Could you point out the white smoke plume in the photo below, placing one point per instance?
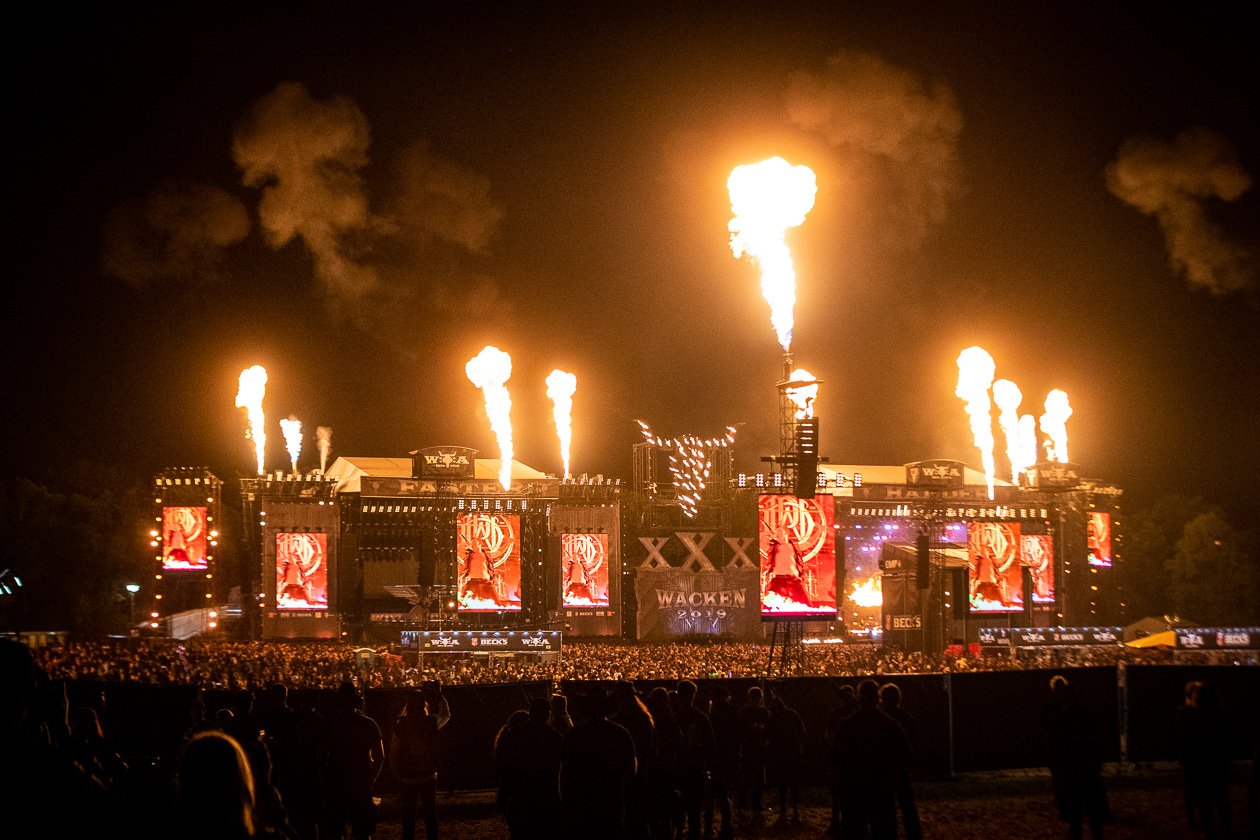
(323, 441)
(897, 136)
(1175, 182)
(305, 155)
(177, 233)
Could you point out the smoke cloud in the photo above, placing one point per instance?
(306, 156)
(1174, 182)
(178, 233)
(438, 199)
(898, 137)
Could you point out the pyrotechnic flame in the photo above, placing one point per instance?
(490, 370)
(975, 375)
(689, 463)
(249, 396)
(767, 199)
(868, 593)
(1054, 424)
(323, 439)
(292, 430)
(803, 396)
(1008, 397)
(1027, 441)
(560, 388)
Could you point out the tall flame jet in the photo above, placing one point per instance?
(560, 389)
(490, 370)
(1054, 424)
(292, 431)
(249, 396)
(767, 199)
(975, 376)
(1008, 398)
(323, 438)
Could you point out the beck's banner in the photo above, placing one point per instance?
(679, 602)
(797, 546)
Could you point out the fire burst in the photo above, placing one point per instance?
(1020, 432)
(868, 593)
(560, 388)
(1054, 424)
(249, 396)
(490, 370)
(767, 199)
(292, 431)
(802, 392)
(975, 376)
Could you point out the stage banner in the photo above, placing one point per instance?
(797, 546)
(1217, 638)
(301, 571)
(488, 547)
(475, 641)
(680, 602)
(995, 583)
(584, 570)
(1098, 535)
(183, 539)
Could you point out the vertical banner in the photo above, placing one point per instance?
(301, 571)
(1037, 553)
(1098, 535)
(489, 562)
(183, 539)
(584, 570)
(797, 547)
(994, 580)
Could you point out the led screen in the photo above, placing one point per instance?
(489, 567)
(798, 557)
(584, 570)
(1037, 553)
(995, 582)
(301, 571)
(183, 538)
(1098, 536)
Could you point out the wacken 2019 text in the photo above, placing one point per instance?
(666, 598)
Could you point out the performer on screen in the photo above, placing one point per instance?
(786, 568)
(578, 584)
(479, 584)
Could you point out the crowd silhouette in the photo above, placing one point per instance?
(589, 759)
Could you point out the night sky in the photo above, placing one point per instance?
(360, 199)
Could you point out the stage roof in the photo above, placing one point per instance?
(349, 469)
(885, 474)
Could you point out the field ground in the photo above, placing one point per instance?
(1146, 803)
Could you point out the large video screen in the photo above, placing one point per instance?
(301, 571)
(1037, 553)
(1098, 536)
(798, 557)
(183, 539)
(489, 567)
(584, 570)
(995, 582)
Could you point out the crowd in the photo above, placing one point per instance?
(238, 665)
(584, 759)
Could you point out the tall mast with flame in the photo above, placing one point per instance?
(767, 199)
(975, 376)
(560, 388)
(249, 396)
(490, 370)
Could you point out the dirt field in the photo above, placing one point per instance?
(1146, 804)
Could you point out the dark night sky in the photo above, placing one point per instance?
(550, 178)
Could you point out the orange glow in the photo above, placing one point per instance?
(560, 389)
(803, 396)
(490, 370)
(767, 199)
(249, 396)
(868, 593)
